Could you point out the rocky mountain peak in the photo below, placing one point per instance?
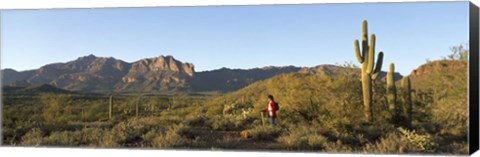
(90, 57)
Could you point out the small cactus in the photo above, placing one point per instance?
(392, 92)
(407, 98)
(370, 69)
(136, 108)
(110, 107)
(229, 109)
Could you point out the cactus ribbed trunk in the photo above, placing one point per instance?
(367, 97)
(407, 98)
(370, 69)
(136, 109)
(110, 107)
(392, 92)
(138, 100)
(172, 102)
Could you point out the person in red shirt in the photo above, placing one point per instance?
(271, 110)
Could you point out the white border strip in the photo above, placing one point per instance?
(49, 4)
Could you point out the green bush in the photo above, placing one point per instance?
(338, 146)
(54, 108)
(33, 137)
(129, 132)
(173, 137)
(221, 122)
(303, 138)
(92, 137)
(265, 132)
(196, 120)
(63, 138)
(403, 141)
(149, 137)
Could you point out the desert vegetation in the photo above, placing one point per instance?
(352, 110)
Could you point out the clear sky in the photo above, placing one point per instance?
(234, 36)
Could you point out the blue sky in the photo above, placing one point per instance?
(234, 36)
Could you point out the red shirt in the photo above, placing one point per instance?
(271, 104)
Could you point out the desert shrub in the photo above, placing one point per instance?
(129, 131)
(109, 140)
(391, 143)
(12, 131)
(303, 138)
(221, 122)
(95, 110)
(63, 138)
(173, 137)
(338, 146)
(403, 141)
(92, 136)
(170, 120)
(196, 120)
(457, 148)
(149, 137)
(154, 104)
(169, 140)
(54, 105)
(265, 132)
(33, 137)
(214, 109)
(417, 142)
(373, 132)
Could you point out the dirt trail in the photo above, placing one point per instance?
(231, 140)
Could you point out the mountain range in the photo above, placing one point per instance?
(163, 74)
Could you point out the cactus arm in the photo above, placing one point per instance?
(364, 31)
(364, 40)
(359, 56)
(371, 54)
(378, 66)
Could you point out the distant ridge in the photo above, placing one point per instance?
(34, 90)
(162, 74)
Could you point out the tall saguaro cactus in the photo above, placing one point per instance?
(370, 70)
(110, 107)
(392, 92)
(407, 98)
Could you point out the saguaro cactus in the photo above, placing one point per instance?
(407, 98)
(136, 108)
(392, 92)
(110, 107)
(369, 73)
(138, 100)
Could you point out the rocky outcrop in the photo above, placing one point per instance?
(100, 74)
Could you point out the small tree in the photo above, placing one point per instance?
(53, 105)
(459, 52)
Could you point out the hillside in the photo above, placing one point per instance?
(448, 73)
(332, 106)
(442, 87)
(232, 79)
(446, 77)
(34, 90)
(298, 93)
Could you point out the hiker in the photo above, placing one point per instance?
(271, 110)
